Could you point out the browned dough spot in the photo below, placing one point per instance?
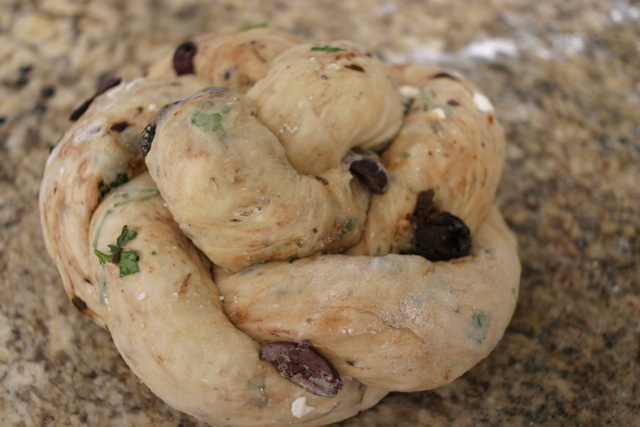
(355, 67)
(119, 127)
(322, 179)
(444, 75)
(79, 304)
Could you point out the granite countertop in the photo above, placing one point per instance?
(565, 80)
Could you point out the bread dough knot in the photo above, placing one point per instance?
(277, 232)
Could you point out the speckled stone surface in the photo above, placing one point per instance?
(565, 80)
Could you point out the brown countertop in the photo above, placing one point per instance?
(565, 80)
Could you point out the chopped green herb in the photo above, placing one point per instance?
(351, 224)
(479, 328)
(121, 178)
(97, 235)
(405, 155)
(253, 26)
(126, 235)
(52, 147)
(428, 104)
(103, 188)
(291, 259)
(154, 252)
(104, 258)
(257, 384)
(327, 48)
(207, 122)
(227, 108)
(104, 298)
(127, 261)
(426, 101)
(378, 251)
(153, 194)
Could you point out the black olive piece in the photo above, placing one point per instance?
(303, 366)
(102, 88)
(148, 133)
(183, 58)
(368, 168)
(439, 236)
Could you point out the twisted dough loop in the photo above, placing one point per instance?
(304, 97)
(168, 324)
(451, 143)
(210, 156)
(397, 322)
(301, 250)
(97, 148)
(232, 60)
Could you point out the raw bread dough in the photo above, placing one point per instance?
(297, 249)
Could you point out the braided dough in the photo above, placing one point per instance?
(268, 198)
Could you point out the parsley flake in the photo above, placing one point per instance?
(350, 225)
(257, 384)
(426, 101)
(207, 122)
(327, 48)
(127, 261)
(104, 188)
(126, 235)
(253, 26)
(104, 258)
